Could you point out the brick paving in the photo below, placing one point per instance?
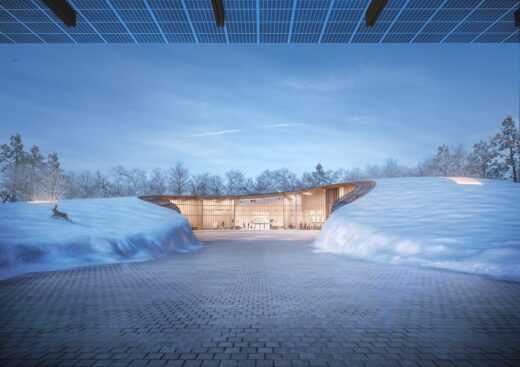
(258, 299)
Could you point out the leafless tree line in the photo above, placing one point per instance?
(29, 175)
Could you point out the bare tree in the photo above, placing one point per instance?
(136, 182)
(321, 177)
(318, 177)
(179, 179)
(285, 180)
(102, 185)
(55, 181)
(391, 169)
(426, 167)
(307, 180)
(373, 171)
(265, 182)
(70, 186)
(351, 174)
(157, 182)
(200, 184)
(5, 196)
(86, 185)
(216, 185)
(28, 175)
(458, 161)
(236, 183)
(118, 185)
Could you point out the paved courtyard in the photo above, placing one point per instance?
(258, 299)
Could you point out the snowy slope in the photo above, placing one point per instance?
(433, 222)
(104, 230)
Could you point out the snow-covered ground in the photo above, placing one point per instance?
(434, 222)
(103, 231)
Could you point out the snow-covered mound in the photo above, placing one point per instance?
(103, 230)
(432, 221)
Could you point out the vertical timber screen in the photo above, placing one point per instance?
(302, 209)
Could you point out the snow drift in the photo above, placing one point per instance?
(103, 231)
(432, 222)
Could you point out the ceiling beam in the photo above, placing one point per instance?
(218, 12)
(373, 12)
(63, 10)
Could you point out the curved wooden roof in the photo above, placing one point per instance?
(361, 188)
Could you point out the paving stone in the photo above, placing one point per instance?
(120, 363)
(85, 363)
(102, 363)
(174, 363)
(258, 299)
(139, 363)
(228, 363)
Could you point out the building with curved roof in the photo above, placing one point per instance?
(301, 209)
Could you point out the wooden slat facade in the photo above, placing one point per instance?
(302, 209)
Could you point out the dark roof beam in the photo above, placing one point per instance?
(218, 12)
(63, 10)
(517, 17)
(373, 12)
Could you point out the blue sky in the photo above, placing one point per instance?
(251, 107)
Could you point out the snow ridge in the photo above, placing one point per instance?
(103, 231)
(432, 222)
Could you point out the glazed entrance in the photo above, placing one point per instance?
(278, 212)
(303, 209)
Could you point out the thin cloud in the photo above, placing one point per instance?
(325, 85)
(213, 133)
(362, 117)
(166, 141)
(285, 125)
(362, 78)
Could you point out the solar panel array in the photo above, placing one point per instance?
(262, 21)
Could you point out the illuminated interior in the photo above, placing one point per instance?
(465, 181)
(303, 209)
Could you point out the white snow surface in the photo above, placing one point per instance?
(103, 231)
(434, 222)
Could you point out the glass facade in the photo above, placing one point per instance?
(303, 209)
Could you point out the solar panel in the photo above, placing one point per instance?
(265, 21)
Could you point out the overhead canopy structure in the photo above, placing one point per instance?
(261, 21)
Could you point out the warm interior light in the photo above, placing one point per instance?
(307, 193)
(465, 180)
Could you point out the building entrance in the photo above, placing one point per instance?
(302, 209)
